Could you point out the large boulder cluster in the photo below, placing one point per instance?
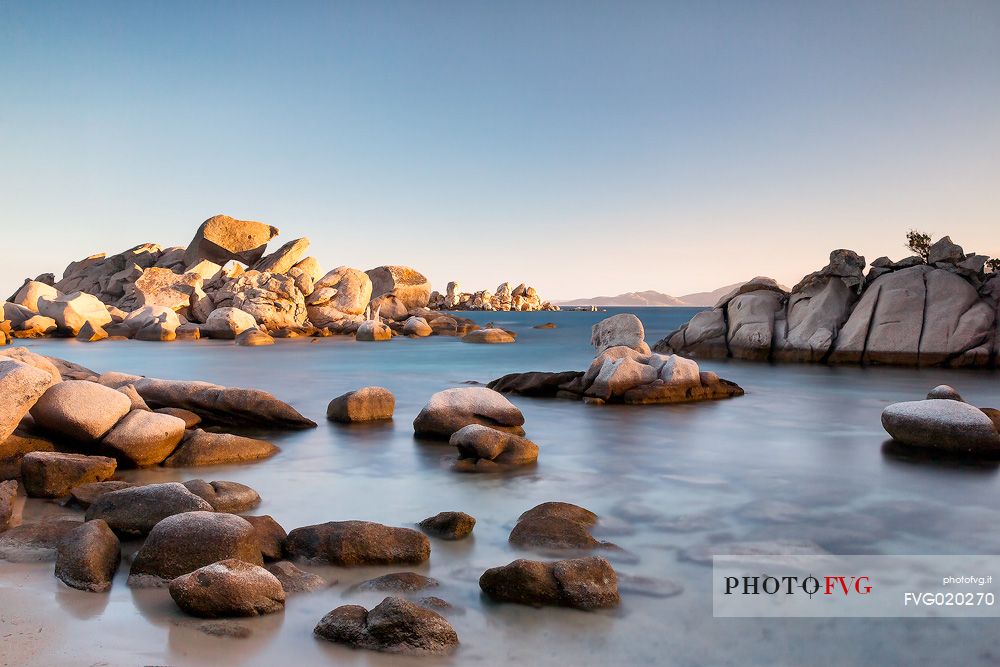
(941, 311)
(624, 371)
(520, 298)
(224, 285)
(60, 431)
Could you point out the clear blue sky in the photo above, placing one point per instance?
(588, 148)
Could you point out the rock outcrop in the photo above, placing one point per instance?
(355, 543)
(452, 409)
(520, 298)
(183, 543)
(88, 556)
(624, 371)
(448, 525)
(362, 405)
(228, 588)
(53, 474)
(136, 510)
(395, 625)
(944, 422)
(485, 449)
(581, 583)
(407, 285)
(221, 239)
(942, 312)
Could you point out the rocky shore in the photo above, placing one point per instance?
(68, 432)
(223, 285)
(942, 311)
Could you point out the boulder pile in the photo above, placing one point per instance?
(223, 285)
(938, 312)
(624, 371)
(113, 419)
(520, 298)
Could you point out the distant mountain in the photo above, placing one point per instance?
(629, 299)
(708, 298)
(654, 298)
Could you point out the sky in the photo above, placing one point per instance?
(586, 148)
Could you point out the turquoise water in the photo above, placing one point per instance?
(801, 456)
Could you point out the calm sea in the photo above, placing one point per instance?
(801, 456)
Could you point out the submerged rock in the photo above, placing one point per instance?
(183, 543)
(395, 625)
(398, 582)
(295, 580)
(362, 405)
(488, 336)
(354, 543)
(254, 338)
(449, 525)
(88, 557)
(136, 510)
(36, 541)
(228, 588)
(452, 409)
(581, 583)
(556, 526)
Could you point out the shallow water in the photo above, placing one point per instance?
(800, 456)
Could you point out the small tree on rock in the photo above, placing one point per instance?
(993, 264)
(918, 243)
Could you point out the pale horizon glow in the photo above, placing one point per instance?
(585, 148)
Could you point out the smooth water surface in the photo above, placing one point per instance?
(801, 456)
